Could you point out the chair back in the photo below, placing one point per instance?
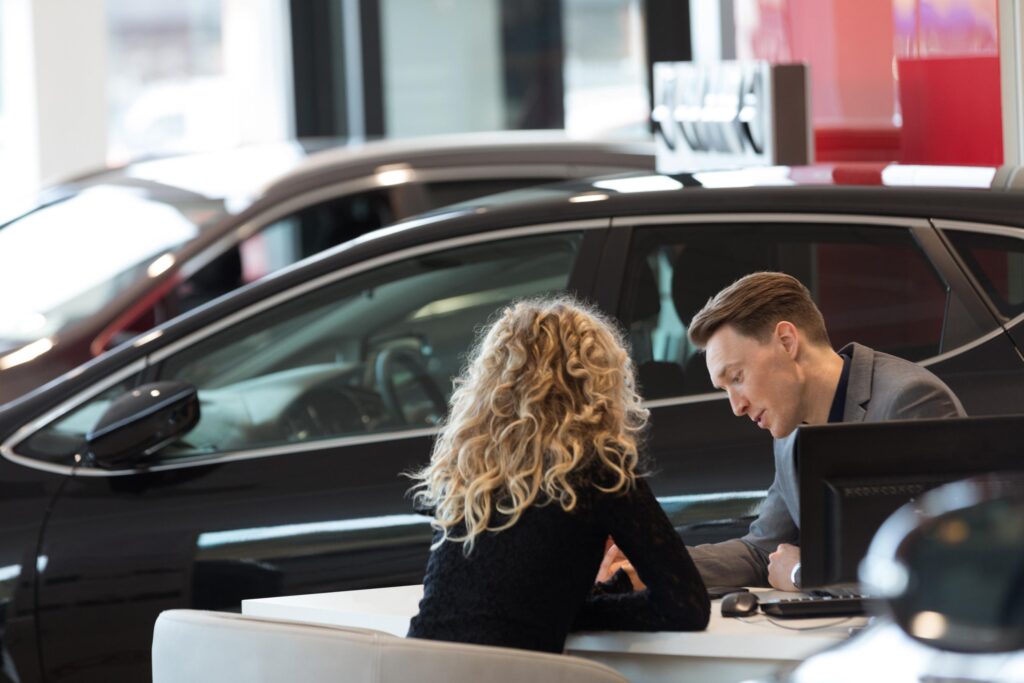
(200, 646)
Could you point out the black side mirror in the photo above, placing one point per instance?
(951, 567)
(138, 424)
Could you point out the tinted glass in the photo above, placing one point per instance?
(285, 242)
(997, 261)
(374, 352)
(59, 441)
(873, 285)
(273, 247)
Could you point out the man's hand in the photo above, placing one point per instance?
(780, 567)
(613, 561)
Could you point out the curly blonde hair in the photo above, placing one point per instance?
(548, 390)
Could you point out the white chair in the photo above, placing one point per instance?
(194, 646)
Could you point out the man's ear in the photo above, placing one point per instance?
(788, 336)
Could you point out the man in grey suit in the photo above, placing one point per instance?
(766, 345)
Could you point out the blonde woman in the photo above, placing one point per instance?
(536, 466)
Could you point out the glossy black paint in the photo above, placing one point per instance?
(141, 422)
(211, 536)
(113, 551)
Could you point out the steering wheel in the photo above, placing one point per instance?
(319, 413)
(384, 368)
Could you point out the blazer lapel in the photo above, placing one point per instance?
(858, 388)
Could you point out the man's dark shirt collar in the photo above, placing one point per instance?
(835, 414)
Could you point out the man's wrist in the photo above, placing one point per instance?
(794, 576)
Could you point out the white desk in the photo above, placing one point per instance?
(729, 651)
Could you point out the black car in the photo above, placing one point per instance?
(319, 385)
(106, 256)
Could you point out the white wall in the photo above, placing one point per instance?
(69, 62)
(54, 80)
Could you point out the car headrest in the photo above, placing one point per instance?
(703, 270)
(646, 297)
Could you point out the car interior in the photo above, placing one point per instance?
(898, 309)
(374, 352)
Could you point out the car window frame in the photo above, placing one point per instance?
(921, 229)
(594, 229)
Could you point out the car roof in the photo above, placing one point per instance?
(518, 153)
(976, 194)
(263, 170)
(982, 194)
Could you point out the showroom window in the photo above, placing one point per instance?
(375, 352)
(873, 286)
(605, 71)
(476, 65)
(442, 68)
(196, 75)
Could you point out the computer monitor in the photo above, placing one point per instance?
(853, 476)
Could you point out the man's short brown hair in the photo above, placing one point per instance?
(755, 304)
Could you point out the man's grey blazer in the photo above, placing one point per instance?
(880, 387)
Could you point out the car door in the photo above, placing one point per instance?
(875, 281)
(314, 402)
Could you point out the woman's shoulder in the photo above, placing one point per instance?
(606, 487)
(599, 474)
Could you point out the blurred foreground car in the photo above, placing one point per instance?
(109, 255)
(315, 388)
(951, 568)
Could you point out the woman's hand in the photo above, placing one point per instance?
(613, 561)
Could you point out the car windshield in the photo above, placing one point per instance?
(86, 250)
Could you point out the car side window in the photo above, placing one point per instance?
(284, 242)
(997, 261)
(370, 353)
(274, 246)
(374, 352)
(873, 284)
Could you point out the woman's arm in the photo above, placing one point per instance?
(675, 598)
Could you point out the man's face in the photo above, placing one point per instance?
(763, 380)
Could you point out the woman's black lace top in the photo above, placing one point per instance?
(529, 585)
